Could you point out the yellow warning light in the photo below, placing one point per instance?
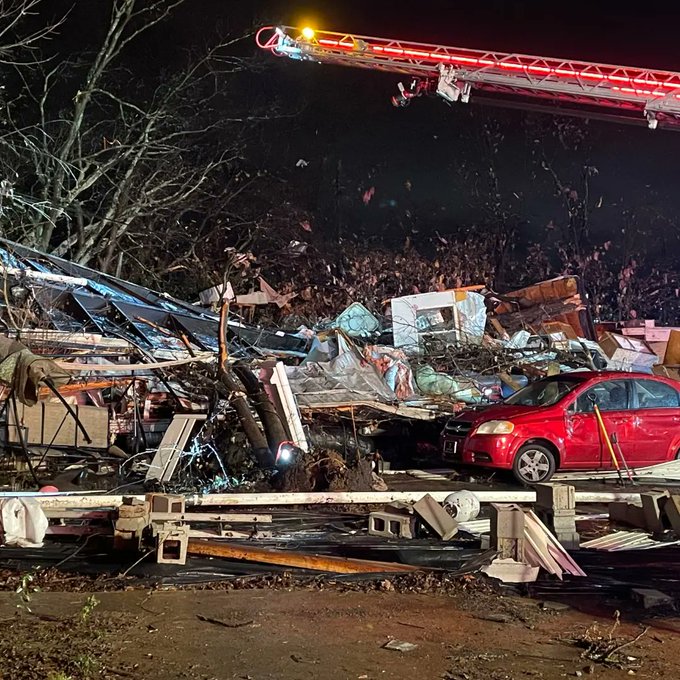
(307, 33)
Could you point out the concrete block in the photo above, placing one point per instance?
(128, 533)
(131, 519)
(562, 525)
(131, 508)
(507, 521)
(391, 525)
(436, 517)
(399, 507)
(627, 513)
(507, 530)
(648, 598)
(509, 548)
(635, 516)
(672, 511)
(555, 496)
(652, 504)
(166, 503)
(570, 540)
(172, 545)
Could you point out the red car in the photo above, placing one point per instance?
(551, 425)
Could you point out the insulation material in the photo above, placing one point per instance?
(544, 550)
(437, 384)
(357, 322)
(50, 424)
(392, 364)
(345, 378)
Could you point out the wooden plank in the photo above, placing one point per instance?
(214, 533)
(172, 445)
(381, 497)
(555, 550)
(231, 518)
(288, 558)
(61, 513)
(88, 530)
(315, 498)
(126, 368)
(415, 412)
(76, 530)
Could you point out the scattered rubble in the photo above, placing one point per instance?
(604, 648)
(191, 410)
(141, 387)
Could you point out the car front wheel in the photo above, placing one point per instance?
(534, 464)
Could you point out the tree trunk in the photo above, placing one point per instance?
(252, 431)
(271, 422)
(255, 436)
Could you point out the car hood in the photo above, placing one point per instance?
(495, 412)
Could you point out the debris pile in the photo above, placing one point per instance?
(190, 410)
(109, 384)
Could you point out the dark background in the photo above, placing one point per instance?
(346, 114)
(430, 163)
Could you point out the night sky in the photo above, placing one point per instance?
(347, 113)
(422, 160)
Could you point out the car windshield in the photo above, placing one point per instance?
(542, 393)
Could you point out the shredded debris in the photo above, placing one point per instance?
(605, 648)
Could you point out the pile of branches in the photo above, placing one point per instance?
(605, 648)
(488, 358)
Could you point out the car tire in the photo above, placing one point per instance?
(534, 464)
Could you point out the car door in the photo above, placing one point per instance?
(585, 445)
(582, 441)
(658, 421)
(620, 422)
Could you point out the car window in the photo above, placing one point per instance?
(652, 394)
(542, 393)
(610, 395)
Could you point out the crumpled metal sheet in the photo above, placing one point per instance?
(77, 298)
(345, 378)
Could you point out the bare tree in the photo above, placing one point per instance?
(19, 43)
(120, 155)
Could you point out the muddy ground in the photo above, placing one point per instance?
(308, 634)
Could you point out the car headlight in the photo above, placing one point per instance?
(496, 427)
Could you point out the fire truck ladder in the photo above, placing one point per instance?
(453, 73)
